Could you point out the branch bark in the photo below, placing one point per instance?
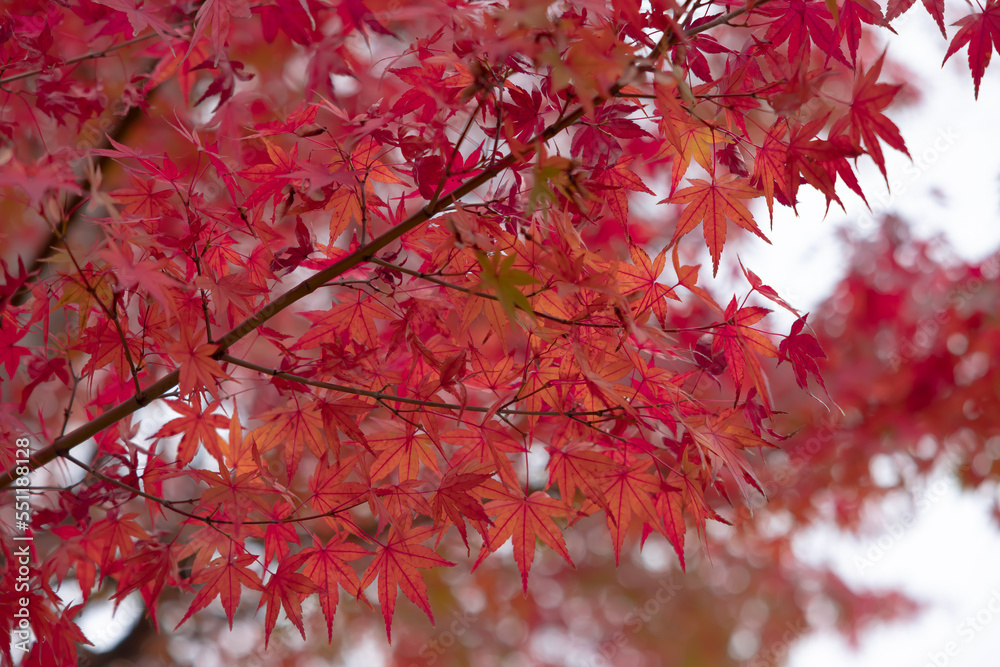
(360, 256)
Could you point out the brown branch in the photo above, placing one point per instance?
(444, 283)
(424, 403)
(208, 520)
(65, 443)
(74, 206)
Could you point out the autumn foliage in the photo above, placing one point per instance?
(400, 283)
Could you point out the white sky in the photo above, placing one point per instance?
(948, 557)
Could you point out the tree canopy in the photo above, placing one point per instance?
(414, 289)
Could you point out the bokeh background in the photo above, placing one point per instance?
(878, 541)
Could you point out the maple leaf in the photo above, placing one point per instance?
(855, 12)
(197, 426)
(10, 353)
(618, 178)
(142, 200)
(396, 564)
(669, 503)
(12, 283)
(498, 274)
(981, 31)
(742, 343)
(199, 371)
(579, 467)
(801, 22)
(235, 495)
(525, 519)
(217, 14)
(713, 204)
(934, 7)
(140, 17)
(719, 439)
(327, 566)
(628, 491)
(298, 427)
(865, 121)
(148, 274)
(285, 589)
(402, 451)
(147, 570)
(641, 278)
(353, 319)
(224, 577)
(455, 499)
(114, 535)
(766, 291)
(769, 166)
(801, 351)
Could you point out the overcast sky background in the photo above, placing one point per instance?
(948, 558)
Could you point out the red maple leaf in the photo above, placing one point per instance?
(285, 589)
(199, 371)
(934, 7)
(981, 31)
(217, 14)
(629, 492)
(742, 343)
(396, 564)
(198, 426)
(865, 121)
(455, 498)
(10, 353)
(224, 577)
(327, 566)
(802, 350)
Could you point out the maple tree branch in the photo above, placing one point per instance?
(444, 283)
(208, 520)
(97, 53)
(383, 396)
(454, 152)
(73, 206)
(60, 446)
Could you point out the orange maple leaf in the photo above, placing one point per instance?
(713, 204)
(199, 371)
(524, 519)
